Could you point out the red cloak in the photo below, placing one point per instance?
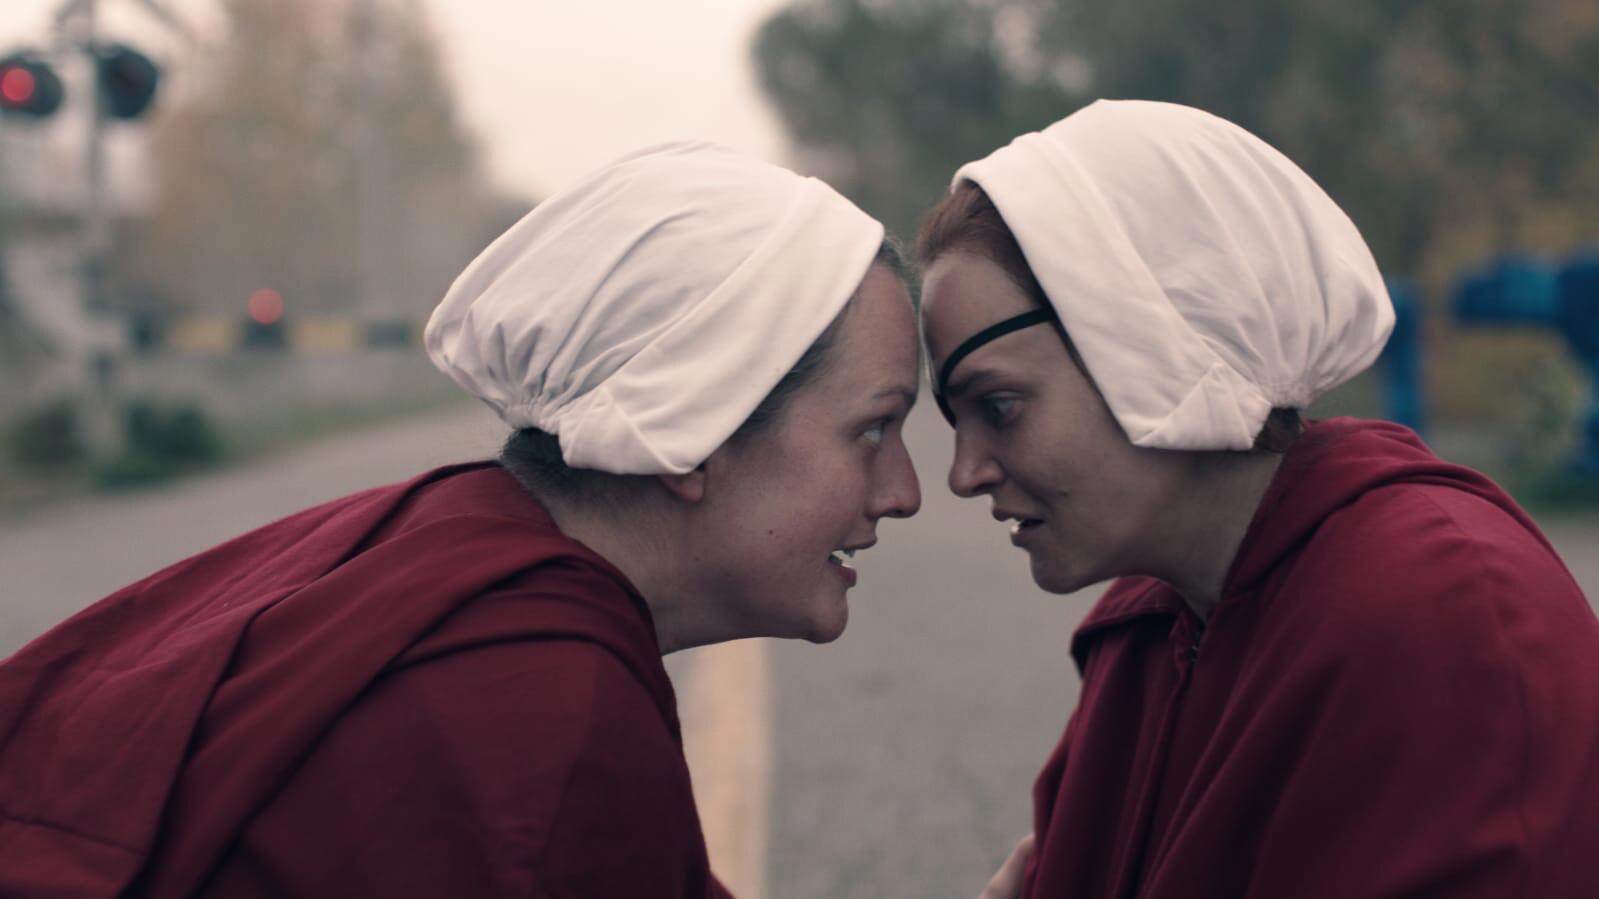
(422, 689)
(1397, 696)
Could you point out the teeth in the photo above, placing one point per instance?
(850, 553)
(1015, 527)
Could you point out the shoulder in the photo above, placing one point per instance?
(546, 699)
(1428, 549)
(520, 746)
(574, 573)
(570, 708)
(1414, 578)
(625, 823)
(550, 693)
(1409, 519)
(556, 734)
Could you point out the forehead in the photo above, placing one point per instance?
(962, 294)
(877, 346)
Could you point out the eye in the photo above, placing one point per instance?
(996, 407)
(874, 434)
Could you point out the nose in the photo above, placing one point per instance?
(974, 470)
(900, 495)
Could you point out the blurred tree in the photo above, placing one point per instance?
(1425, 120)
(885, 99)
(1418, 117)
(319, 154)
(1448, 129)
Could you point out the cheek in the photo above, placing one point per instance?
(835, 493)
(1106, 518)
(817, 499)
(1042, 462)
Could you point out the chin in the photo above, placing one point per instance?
(826, 628)
(1052, 579)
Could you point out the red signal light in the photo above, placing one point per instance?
(28, 87)
(17, 85)
(265, 306)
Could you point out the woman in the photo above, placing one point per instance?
(1331, 665)
(453, 686)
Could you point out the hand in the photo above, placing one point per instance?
(1007, 881)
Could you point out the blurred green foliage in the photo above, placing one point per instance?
(161, 440)
(885, 100)
(1432, 123)
(176, 431)
(47, 438)
(1449, 130)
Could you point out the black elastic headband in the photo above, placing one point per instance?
(992, 332)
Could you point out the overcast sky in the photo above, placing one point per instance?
(552, 88)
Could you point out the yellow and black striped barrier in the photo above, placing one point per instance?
(216, 335)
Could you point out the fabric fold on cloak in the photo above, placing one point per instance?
(169, 713)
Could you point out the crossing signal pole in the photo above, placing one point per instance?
(122, 86)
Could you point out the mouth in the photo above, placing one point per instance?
(1021, 526)
(839, 560)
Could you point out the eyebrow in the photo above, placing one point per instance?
(982, 338)
(907, 394)
(972, 377)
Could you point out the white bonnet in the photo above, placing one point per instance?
(1202, 276)
(643, 313)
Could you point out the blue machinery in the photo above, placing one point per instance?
(1519, 291)
(1401, 359)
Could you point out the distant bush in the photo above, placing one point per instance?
(160, 441)
(47, 438)
(180, 432)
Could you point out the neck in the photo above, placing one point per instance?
(636, 544)
(1223, 495)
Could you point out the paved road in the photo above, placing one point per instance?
(59, 560)
(906, 751)
(895, 762)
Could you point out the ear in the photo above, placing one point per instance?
(688, 487)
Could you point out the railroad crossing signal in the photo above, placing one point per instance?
(126, 79)
(28, 87)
